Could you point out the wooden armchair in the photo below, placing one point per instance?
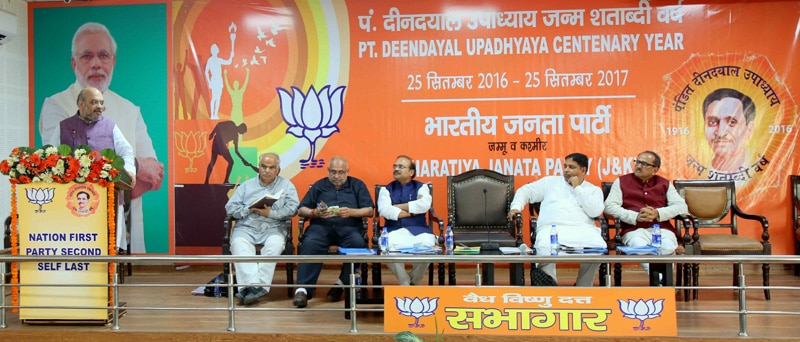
(477, 204)
(655, 270)
(712, 206)
(228, 225)
(432, 219)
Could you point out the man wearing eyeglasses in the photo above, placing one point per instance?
(641, 199)
(335, 206)
(93, 58)
(403, 203)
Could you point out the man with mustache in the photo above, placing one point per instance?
(570, 203)
(728, 117)
(643, 198)
(335, 206)
(403, 203)
(93, 57)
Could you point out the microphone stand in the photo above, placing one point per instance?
(488, 245)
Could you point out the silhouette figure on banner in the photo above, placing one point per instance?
(182, 94)
(237, 96)
(213, 74)
(224, 133)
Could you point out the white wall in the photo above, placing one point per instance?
(13, 94)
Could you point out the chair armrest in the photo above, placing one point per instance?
(685, 221)
(376, 229)
(435, 220)
(763, 220)
(603, 227)
(516, 221)
(614, 221)
(365, 231)
(226, 237)
(533, 223)
(301, 228)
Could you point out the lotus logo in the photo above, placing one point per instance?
(40, 196)
(641, 310)
(416, 308)
(312, 116)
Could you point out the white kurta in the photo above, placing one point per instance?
(572, 210)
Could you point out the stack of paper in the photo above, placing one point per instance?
(356, 251)
(417, 250)
(638, 250)
(581, 250)
(466, 250)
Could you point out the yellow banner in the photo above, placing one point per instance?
(529, 311)
(63, 219)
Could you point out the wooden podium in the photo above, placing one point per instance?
(59, 220)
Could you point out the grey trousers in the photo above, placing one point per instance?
(586, 273)
(417, 271)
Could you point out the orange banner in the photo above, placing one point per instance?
(530, 311)
(512, 86)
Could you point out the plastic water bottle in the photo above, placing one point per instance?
(448, 240)
(217, 287)
(383, 240)
(656, 232)
(553, 240)
(357, 272)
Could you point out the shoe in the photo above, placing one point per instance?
(243, 294)
(254, 294)
(300, 300)
(335, 294)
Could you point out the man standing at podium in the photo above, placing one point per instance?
(89, 127)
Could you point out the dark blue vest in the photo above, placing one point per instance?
(97, 135)
(403, 194)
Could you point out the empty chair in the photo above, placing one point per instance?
(477, 204)
(715, 226)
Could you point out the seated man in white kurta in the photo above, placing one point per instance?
(570, 203)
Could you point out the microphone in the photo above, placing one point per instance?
(488, 245)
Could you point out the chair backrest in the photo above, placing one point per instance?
(478, 198)
(796, 193)
(796, 206)
(710, 202)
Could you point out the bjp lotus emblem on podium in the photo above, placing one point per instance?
(416, 307)
(641, 310)
(40, 197)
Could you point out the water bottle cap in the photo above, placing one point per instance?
(656, 225)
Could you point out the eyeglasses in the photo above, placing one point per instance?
(642, 163)
(88, 57)
(399, 166)
(337, 172)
